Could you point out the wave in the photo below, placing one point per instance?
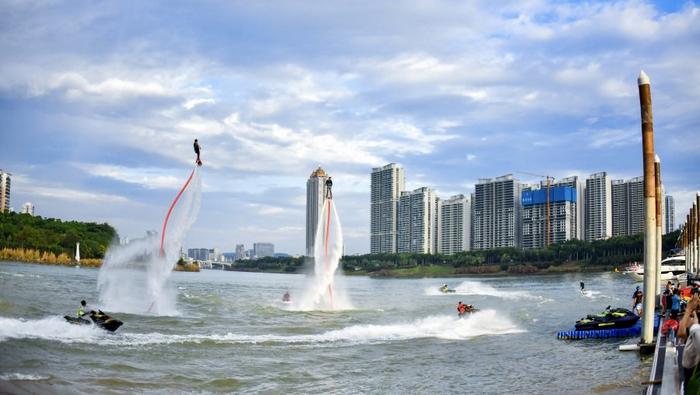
(482, 323)
(51, 328)
(479, 288)
(594, 295)
(22, 377)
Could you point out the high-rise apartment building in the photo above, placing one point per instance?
(598, 207)
(198, 254)
(315, 199)
(578, 186)
(562, 215)
(496, 213)
(627, 206)
(28, 208)
(669, 214)
(261, 250)
(454, 223)
(5, 181)
(386, 186)
(240, 252)
(418, 221)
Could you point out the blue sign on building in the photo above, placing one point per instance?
(556, 194)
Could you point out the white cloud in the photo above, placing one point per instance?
(149, 178)
(192, 103)
(609, 138)
(31, 187)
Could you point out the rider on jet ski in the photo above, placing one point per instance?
(83, 309)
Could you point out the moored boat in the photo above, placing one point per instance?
(609, 319)
(672, 268)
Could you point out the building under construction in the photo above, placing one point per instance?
(563, 207)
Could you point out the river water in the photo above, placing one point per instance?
(232, 333)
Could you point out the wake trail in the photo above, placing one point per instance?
(482, 323)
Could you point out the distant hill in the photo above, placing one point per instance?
(54, 235)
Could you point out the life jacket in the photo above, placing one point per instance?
(669, 324)
(462, 308)
(81, 312)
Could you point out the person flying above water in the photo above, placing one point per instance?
(196, 151)
(329, 185)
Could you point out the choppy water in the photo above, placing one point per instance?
(233, 334)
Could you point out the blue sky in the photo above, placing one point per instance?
(100, 103)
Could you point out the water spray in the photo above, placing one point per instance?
(170, 210)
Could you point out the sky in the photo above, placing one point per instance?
(100, 103)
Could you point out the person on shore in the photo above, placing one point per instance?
(637, 302)
(666, 299)
(636, 290)
(675, 302)
(689, 329)
(196, 151)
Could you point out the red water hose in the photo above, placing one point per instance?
(170, 210)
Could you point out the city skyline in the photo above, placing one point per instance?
(100, 115)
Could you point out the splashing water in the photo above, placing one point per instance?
(482, 323)
(325, 291)
(482, 289)
(134, 277)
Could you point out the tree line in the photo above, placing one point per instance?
(615, 251)
(23, 231)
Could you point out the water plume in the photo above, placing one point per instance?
(325, 291)
(134, 277)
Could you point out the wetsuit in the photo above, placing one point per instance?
(196, 149)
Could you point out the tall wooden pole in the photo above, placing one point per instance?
(697, 227)
(657, 183)
(649, 207)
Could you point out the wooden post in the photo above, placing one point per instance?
(649, 208)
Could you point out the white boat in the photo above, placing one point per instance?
(672, 268)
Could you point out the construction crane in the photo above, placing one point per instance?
(549, 179)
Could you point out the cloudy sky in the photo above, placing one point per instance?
(100, 103)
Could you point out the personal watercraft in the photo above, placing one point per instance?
(444, 289)
(609, 319)
(98, 318)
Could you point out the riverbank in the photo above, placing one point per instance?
(49, 259)
(429, 271)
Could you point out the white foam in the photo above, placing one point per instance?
(22, 377)
(480, 288)
(51, 328)
(593, 294)
(482, 323)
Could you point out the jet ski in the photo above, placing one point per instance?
(444, 289)
(609, 319)
(98, 318)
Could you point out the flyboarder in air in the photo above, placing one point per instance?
(196, 151)
(329, 185)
